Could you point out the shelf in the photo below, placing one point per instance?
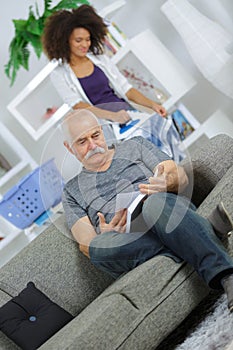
(169, 72)
(217, 123)
(12, 245)
(17, 239)
(30, 110)
(110, 9)
(14, 240)
(19, 159)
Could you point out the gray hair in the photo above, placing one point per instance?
(77, 115)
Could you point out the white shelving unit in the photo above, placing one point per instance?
(160, 64)
(28, 108)
(147, 50)
(217, 123)
(109, 10)
(17, 156)
(14, 240)
(21, 163)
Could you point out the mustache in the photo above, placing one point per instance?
(94, 151)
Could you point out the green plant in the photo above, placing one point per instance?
(28, 32)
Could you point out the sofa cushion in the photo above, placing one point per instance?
(136, 312)
(58, 268)
(221, 192)
(207, 166)
(31, 318)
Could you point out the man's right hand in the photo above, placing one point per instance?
(118, 222)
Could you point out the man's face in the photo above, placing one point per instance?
(90, 147)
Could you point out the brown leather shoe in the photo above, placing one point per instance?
(221, 221)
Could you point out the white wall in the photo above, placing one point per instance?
(134, 17)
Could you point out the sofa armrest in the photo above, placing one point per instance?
(207, 166)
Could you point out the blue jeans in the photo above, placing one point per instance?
(174, 229)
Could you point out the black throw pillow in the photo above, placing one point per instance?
(31, 318)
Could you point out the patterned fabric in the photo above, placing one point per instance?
(162, 133)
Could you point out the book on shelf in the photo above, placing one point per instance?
(117, 34)
(114, 39)
(110, 50)
(182, 124)
(133, 201)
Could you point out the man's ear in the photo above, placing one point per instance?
(66, 144)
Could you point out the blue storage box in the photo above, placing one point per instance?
(33, 195)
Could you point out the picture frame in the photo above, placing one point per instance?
(184, 121)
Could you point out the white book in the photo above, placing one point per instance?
(115, 33)
(133, 202)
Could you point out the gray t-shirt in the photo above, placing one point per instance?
(91, 192)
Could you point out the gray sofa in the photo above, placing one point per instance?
(141, 308)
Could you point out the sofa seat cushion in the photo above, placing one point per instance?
(103, 325)
(30, 318)
(138, 311)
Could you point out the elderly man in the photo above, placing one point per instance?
(172, 226)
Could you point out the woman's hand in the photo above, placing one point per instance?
(159, 109)
(120, 117)
(118, 222)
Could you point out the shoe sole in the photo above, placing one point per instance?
(229, 219)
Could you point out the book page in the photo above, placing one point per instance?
(133, 202)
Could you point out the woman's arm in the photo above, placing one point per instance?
(119, 117)
(136, 96)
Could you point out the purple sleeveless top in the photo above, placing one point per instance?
(99, 92)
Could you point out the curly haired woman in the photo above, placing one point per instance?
(86, 78)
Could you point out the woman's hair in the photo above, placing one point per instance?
(60, 25)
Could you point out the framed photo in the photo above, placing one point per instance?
(184, 121)
(38, 106)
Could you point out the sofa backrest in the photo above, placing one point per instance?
(57, 267)
(207, 166)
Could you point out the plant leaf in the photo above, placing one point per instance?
(20, 25)
(47, 4)
(19, 55)
(28, 32)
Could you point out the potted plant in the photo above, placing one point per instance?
(28, 32)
